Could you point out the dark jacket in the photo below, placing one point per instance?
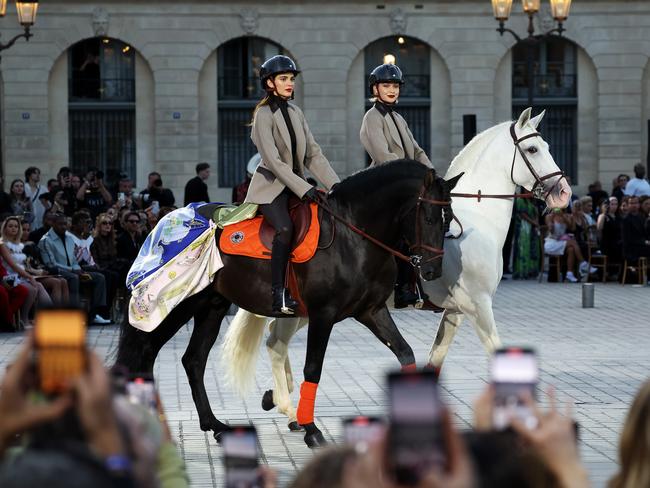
(634, 237)
(196, 191)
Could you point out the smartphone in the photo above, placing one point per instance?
(141, 390)
(361, 431)
(515, 373)
(155, 207)
(59, 337)
(240, 456)
(416, 441)
(121, 198)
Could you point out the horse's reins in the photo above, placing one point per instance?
(538, 188)
(414, 260)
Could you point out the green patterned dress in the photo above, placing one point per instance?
(525, 257)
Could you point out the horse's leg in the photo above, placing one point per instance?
(277, 345)
(381, 324)
(207, 322)
(446, 331)
(485, 325)
(318, 336)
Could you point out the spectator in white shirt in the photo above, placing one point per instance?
(638, 186)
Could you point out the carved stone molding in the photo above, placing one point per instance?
(397, 21)
(249, 21)
(100, 21)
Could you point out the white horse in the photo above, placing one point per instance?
(495, 162)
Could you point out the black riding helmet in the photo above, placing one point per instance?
(385, 73)
(276, 65)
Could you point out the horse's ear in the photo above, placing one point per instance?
(524, 118)
(430, 177)
(536, 120)
(451, 183)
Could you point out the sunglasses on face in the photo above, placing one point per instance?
(107, 223)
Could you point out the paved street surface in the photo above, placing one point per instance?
(596, 358)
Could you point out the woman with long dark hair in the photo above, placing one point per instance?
(287, 146)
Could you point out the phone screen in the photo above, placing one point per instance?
(415, 437)
(240, 454)
(60, 337)
(361, 431)
(514, 371)
(141, 390)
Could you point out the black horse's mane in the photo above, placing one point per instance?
(376, 177)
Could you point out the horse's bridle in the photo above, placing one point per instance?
(414, 260)
(537, 191)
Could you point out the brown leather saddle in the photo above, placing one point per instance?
(300, 213)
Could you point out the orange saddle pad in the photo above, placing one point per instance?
(243, 238)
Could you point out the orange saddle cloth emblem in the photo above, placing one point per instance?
(253, 237)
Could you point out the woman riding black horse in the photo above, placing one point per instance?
(283, 139)
(386, 137)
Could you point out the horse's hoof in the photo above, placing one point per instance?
(295, 427)
(218, 437)
(436, 369)
(315, 440)
(267, 400)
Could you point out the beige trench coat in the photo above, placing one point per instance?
(275, 171)
(380, 136)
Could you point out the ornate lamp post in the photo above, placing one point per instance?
(559, 10)
(26, 16)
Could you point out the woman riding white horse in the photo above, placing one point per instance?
(493, 163)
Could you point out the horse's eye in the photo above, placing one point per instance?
(532, 149)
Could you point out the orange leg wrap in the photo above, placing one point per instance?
(409, 367)
(305, 414)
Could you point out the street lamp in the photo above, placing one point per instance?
(26, 16)
(560, 12)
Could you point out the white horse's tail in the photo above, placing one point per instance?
(240, 350)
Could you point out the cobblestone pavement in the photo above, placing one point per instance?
(596, 358)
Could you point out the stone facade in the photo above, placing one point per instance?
(176, 71)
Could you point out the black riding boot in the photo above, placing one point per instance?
(283, 302)
(404, 295)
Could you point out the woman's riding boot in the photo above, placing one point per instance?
(283, 302)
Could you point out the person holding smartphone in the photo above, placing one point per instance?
(92, 193)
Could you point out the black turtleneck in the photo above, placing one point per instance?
(276, 103)
(384, 109)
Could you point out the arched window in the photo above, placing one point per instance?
(239, 91)
(101, 104)
(414, 59)
(544, 75)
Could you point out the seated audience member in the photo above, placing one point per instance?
(103, 247)
(129, 243)
(608, 226)
(68, 200)
(56, 286)
(559, 242)
(638, 186)
(14, 260)
(48, 220)
(20, 204)
(12, 298)
(93, 195)
(597, 194)
(644, 202)
(634, 446)
(618, 189)
(623, 207)
(57, 251)
(52, 183)
(636, 243)
(82, 238)
(84, 436)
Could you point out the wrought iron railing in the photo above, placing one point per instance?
(239, 88)
(545, 86)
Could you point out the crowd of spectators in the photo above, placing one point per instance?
(94, 434)
(615, 224)
(72, 240)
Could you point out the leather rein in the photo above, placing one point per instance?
(414, 260)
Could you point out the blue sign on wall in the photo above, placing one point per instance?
(176, 115)
(26, 115)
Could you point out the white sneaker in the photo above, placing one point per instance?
(570, 277)
(100, 320)
(583, 268)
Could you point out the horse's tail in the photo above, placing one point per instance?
(241, 348)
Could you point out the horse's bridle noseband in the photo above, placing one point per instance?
(537, 190)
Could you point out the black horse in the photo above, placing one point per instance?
(352, 277)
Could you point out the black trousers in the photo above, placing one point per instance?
(276, 213)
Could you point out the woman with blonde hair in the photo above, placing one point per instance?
(634, 446)
(13, 260)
